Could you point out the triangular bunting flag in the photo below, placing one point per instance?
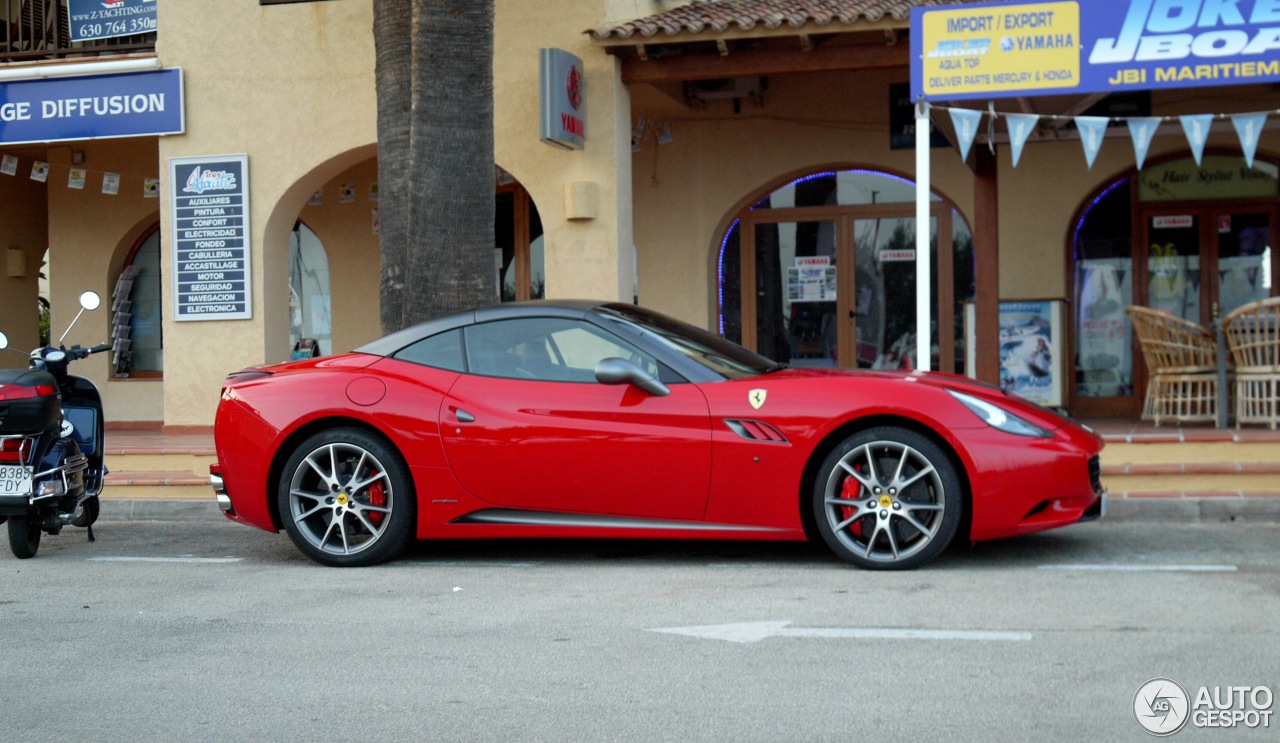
(1092, 130)
(1197, 129)
(1249, 127)
(966, 122)
(1143, 129)
(1020, 127)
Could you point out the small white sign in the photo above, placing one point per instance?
(892, 256)
(1173, 222)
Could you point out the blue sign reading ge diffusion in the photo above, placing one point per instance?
(97, 107)
(106, 19)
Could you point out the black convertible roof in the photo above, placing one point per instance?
(389, 344)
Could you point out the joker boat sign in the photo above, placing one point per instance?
(1167, 30)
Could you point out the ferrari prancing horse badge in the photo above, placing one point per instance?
(757, 398)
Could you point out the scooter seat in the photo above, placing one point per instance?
(27, 378)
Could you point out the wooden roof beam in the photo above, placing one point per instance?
(824, 58)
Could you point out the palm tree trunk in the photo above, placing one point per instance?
(450, 265)
(435, 157)
(393, 37)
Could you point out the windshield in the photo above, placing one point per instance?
(723, 357)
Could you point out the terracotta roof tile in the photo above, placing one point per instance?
(717, 16)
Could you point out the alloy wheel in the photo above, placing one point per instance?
(885, 501)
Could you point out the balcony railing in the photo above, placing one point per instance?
(36, 30)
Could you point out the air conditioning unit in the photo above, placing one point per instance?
(726, 89)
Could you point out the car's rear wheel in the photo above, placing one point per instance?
(887, 498)
(346, 498)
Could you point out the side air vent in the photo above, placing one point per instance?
(755, 431)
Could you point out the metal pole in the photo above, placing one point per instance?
(924, 335)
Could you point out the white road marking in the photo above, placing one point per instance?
(746, 632)
(165, 559)
(1145, 568)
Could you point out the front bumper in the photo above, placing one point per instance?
(1020, 486)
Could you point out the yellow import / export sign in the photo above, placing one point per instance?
(1001, 49)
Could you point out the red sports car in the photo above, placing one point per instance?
(596, 419)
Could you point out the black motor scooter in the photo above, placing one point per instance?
(51, 439)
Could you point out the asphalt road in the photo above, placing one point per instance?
(554, 641)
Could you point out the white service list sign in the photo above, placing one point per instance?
(210, 216)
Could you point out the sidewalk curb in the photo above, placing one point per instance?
(1129, 510)
(1193, 510)
(126, 509)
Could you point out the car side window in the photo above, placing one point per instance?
(550, 349)
(442, 350)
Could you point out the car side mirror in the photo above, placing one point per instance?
(619, 371)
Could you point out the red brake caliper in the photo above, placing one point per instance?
(850, 491)
(377, 497)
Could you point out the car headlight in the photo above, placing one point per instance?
(999, 418)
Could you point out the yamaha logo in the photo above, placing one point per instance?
(573, 87)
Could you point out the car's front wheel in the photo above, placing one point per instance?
(346, 498)
(887, 498)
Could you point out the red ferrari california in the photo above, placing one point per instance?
(591, 419)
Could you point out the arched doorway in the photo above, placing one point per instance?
(137, 329)
(310, 303)
(1191, 240)
(518, 239)
(820, 271)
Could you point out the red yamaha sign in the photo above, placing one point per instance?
(564, 99)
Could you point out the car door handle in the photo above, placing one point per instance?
(464, 416)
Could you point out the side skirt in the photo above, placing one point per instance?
(513, 517)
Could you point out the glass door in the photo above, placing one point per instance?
(885, 309)
(1244, 259)
(840, 291)
(1173, 264)
(798, 293)
(1205, 262)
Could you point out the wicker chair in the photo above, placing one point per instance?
(1182, 358)
(1253, 335)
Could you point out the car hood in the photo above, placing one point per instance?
(1020, 406)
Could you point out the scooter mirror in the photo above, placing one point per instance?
(90, 301)
(4, 341)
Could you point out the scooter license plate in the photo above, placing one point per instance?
(15, 479)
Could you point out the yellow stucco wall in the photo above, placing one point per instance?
(292, 86)
(90, 237)
(684, 189)
(589, 258)
(23, 227)
(346, 231)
